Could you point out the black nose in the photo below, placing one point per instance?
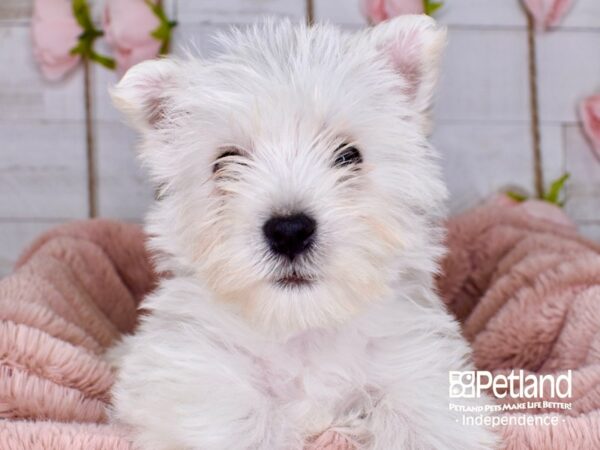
(290, 235)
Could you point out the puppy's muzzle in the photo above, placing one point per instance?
(290, 235)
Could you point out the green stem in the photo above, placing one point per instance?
(165, 28)
(85, 45)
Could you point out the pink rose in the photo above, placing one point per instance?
(547, 13)
(55, 33)
(128, 27)
(379, 10)
(590, 116)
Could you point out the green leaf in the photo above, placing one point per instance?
(158, 11)
(556, 188)
(431, 6)
(81, 11)
(516, 196)
(162, 32)
(105, 61)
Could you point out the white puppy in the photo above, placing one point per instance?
(299, 215)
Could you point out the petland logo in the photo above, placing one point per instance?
(471, 384)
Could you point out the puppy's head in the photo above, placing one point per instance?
(295, 176)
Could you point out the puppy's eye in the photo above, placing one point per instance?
(225, 158)
(347, 155)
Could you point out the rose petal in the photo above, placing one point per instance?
(54, 33)
(129, 57)
(547, 13)
(379, 10)
(128, 25)
(590, 116)
(399, 7)
(53, 9)
(557, 11)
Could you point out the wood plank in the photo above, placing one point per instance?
(583, 188)
(199, 39)
(590, 230)
(14, 237)
(484, 77)
(553, 152)
(237, 11)
(42, 170)
(15, 11)
(24, 94)
(490, 13)
(123, 190)
(339, 11)
(569, 69)
(481, 159)
(583, 14)
(20, 11)
(103, 80)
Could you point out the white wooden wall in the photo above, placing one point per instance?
(483, 119)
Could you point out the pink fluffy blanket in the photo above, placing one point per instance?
(524, 285)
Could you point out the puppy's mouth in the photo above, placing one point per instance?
(295, 280)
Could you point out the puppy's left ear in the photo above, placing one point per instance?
(413, 45)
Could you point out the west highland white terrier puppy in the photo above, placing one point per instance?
(299, 217)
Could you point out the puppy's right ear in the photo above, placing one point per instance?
(144, 93)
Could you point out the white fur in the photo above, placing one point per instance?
(228, 359)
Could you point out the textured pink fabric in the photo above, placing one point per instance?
(524, 285)
(23, 435)
(74, 292)
(526, 288)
